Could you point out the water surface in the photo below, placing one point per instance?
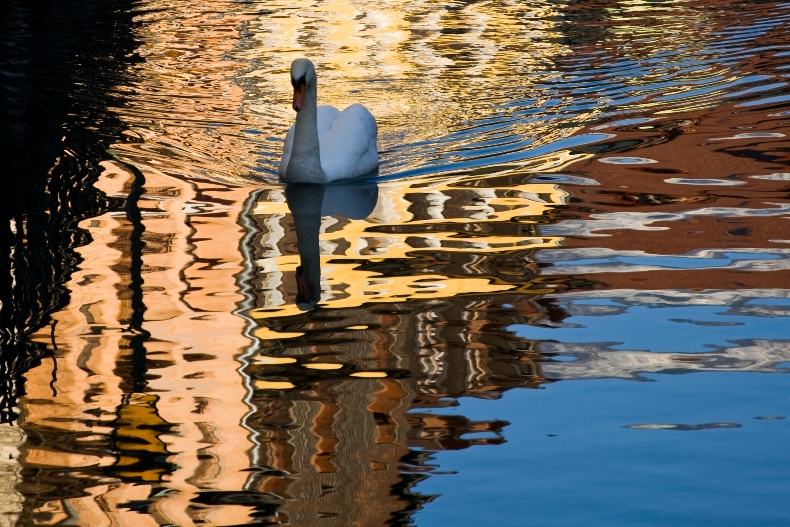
(568, 192)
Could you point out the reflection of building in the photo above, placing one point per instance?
(715, 138)
(702, 223)
(337, 446)
(416, 303)
(118, 415)
(131, 415)
(713, 189)
(51, 58)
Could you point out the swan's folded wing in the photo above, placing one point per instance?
(348, 146)
(326, 117)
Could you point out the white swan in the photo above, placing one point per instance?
(325, 144)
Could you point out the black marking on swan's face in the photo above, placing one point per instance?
(297, 82)
(299, 92)
(302, 70)
(302, 76)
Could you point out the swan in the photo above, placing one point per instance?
(308, 204)
(325, 144)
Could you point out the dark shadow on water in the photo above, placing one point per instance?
(59, 62)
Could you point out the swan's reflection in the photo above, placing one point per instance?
(308, 204)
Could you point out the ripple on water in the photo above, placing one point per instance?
(627, 160)
(776, 176)
(705, 182)
(682, 427)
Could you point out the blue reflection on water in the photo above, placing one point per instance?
(677, 262)
(661, 329)
(595, 472)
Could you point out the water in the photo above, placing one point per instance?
(576, 204)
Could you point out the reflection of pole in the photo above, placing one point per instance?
(136, 244)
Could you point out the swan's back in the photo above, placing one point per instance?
(347, 142)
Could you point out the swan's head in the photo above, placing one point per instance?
(302, 76)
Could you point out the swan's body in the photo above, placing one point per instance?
(325, 144)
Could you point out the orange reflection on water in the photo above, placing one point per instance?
(165, 407)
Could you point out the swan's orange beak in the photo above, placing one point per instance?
(299, 96)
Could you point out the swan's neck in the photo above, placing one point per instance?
(304, 165)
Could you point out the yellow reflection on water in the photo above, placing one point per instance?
(264, 333)
(323, 366)
(408, 211)
(273, 385)
(273, 360)
(369, 374)
(411, 45)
